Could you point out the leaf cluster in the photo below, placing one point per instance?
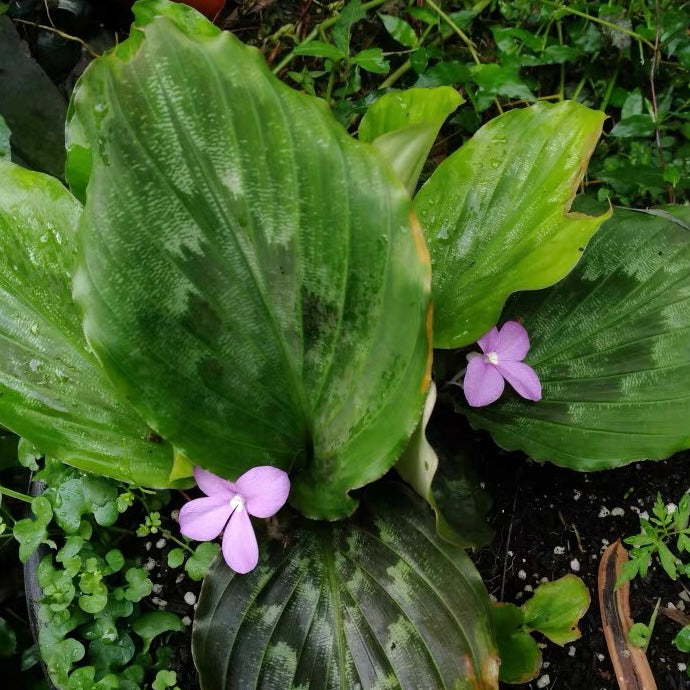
(664, 535)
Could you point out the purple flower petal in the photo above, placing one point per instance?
(522, 378)
(240, 549)
(483, 383)
(265, 490)
(203, 519)
(512, 343)
(488, 341)
(213, 485)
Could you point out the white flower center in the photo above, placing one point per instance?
(237, 503)
(491, 358)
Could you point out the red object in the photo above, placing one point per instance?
(210, 8)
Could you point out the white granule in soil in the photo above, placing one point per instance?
(682, 666)
(157, 589)
(186, 620)
(161, 543)
(604, 512)
(157, 601)
(149, 565)
(671, 508)
(571, 651)
(175, 515)
(617, 512)
(559, 550)
(522, 575)
(575, 565)
(544, 681)
(190, 598)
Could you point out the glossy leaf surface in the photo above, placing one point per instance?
(496, 214)
(375, 601)
(610, 345)
(403, 125)
(251, 276)
(52, 390)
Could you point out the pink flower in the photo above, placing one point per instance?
(503, 351)
(261, 492)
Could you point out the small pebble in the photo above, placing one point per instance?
(186, 620)
(522, 575)
(161, 543)
(510, 553)
(601, 657)
(680, 605)
(529, 588)
(671, 508)
(147, 545)
(571, 651)
(604, 512)
(644, 515)
(682, 666)
(617, 512)
(157, 589)
(175, 515)
(670, 605)
(157, 601)
(559, 550)
(544, 579)
(575, 565)
(576, 495)
(190, 598)
(179, 578)
(685, 596)
(150, 564)
(544, 681)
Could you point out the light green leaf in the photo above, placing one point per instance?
(400, 30)
(199, 562)
(32, 532)
(154, 623)
(519, 652)
(52, 391)
(682, 639)
(375, 601)
(246, 265)
(458, 504)
(497, 217)
(610, 345)
(556, 608)
(372, 60)
(403, 126)
(320, 49)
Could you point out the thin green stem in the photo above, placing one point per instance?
(318, 30)
(579, 87)
(15, 494)
(169, 535)
(402, 69)
(461, 34)
(597, 20)
(609, 89)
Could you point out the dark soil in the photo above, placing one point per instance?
(551, 521)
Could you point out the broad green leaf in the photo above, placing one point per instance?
(403, 126)
(375, 601)
(151, 624)
(251, 277)
(610, 345)
(199, 562)
(53, 392)
(458, 504)
(32, 106)
(497, 217)
(320, 49)
(556, 608)
(682, 639)
(519, 652)
(372, 60)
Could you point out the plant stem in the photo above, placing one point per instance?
(15, 494)
(319, 29)
(461, 34)
(603, 22)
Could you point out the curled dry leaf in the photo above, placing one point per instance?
(629, 662)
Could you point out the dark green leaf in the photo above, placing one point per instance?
(682, 640)
(634, 126)
(520, 655)
(372, 60)
(610, 346)
(450, 73)
(264, 302)
(375, 599)
(8, 639)
(349, 15)
(4, 140)
(320, 49)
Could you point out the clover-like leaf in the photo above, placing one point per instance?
(251, 277)
(199, 562)
(154, 623)
(520, 655)
(610, 344)
(497, 218)
(377, 600)
(32, 532)
(138, 584)
(53, 392)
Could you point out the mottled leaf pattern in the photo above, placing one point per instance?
(496, 214)
(52, 390)
(377, 601)
(251, 276)
(611, 346)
